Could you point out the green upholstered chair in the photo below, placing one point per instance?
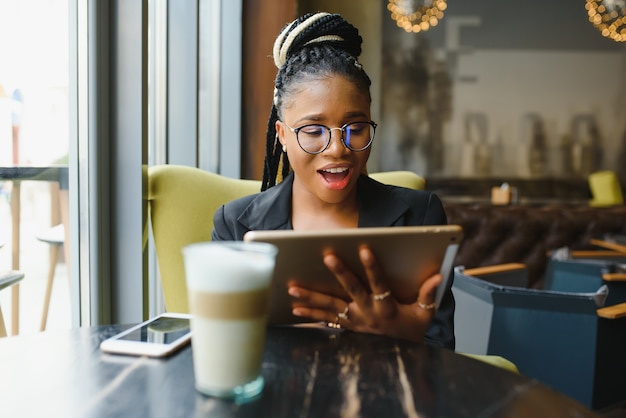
(400, 178)
(605, 188)
(182, 201)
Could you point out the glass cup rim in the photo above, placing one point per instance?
(244, 246)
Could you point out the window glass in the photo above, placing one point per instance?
(34, 132)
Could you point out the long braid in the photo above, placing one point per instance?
(311, 47)
(272, 152)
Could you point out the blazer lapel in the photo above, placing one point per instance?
(269, 209)
(378, 205)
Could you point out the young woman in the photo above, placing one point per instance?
(320, 131)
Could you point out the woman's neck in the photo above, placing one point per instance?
(309, 213)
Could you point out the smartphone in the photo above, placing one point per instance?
(156, 337)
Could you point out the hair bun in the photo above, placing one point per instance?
(316, 28)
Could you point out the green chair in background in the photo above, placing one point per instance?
(605, 188)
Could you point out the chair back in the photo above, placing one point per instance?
(181, 203)
(563, 339)
(605, 188)
(400, 178)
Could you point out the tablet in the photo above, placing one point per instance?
(407, 254)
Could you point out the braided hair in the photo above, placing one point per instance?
(312, 47)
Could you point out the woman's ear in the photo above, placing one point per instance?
(280, 132)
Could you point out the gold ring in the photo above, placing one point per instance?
(382, 296)
(428, 306)
(344, 314)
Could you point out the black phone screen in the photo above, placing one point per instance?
(163, 330)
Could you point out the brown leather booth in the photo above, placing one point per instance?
(528, 233)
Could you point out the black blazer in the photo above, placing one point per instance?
(379, 205)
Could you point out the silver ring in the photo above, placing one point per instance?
(344, 314)
(382, 296)
(428, 306)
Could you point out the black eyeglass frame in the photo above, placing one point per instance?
(373, 124)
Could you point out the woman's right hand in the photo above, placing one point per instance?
(377, 312)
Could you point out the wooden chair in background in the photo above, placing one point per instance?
(55, 236)
(8, 278)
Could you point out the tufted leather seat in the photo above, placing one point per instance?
(526, 233)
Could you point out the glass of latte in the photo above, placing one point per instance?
(228, 288)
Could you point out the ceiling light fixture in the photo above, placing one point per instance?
(417, 15)
(609, 17)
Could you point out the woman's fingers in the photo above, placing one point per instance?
(376, 312)
(308, 300)
(373, 273)
(315, 314)
(374, 308)
(348, 280)
(428, 291)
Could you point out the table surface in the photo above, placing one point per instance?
(57, 172)
(308, 373)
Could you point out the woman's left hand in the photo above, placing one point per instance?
(377, 312)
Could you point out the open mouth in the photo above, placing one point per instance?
(336, 177)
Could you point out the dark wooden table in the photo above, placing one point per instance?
(308, 373)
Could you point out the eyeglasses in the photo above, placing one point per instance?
(314, 139)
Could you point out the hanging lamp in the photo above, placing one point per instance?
(417, 15)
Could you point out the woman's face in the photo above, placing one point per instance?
(331, 175)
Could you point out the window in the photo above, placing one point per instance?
(117, 101)
(34, 133)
